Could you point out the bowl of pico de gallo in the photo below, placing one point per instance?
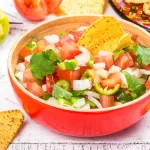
(77, 75)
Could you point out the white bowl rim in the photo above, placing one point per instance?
(68, 108)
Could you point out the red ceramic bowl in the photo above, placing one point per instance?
(89, 123)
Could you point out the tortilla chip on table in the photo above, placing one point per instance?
(10, 122)
(72, 7)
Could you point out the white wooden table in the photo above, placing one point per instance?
(35, 137)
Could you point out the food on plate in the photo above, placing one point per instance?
(146, 4)
(146, 8)
(10, 122)
(71, 7)
(4, 26)
(36, 9)
(67, 70)
(137, 1)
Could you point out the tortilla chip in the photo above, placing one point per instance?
(137, 1)
(10, 122)
(146, 8)
(103, 34)
(72, 7)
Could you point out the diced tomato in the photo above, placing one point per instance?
(26, 64)
(77, 35)
(134, 37)
(148, 84)
(69, 75)
(66, 39)
(112, 80)
(83, 69)
(108, 60)
(27, 76)
(49, 83)
(69, 51)
(34, 88)
(36, 9)
(58, 45)
(147, 67)
(41, 45)
(55, 77)
(132, 55)
(24, 52)
(124, 61)
(107, 101)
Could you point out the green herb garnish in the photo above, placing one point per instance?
(142, 54)
(43, 64)
(135, 85)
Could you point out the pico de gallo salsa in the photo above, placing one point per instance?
(56, 70)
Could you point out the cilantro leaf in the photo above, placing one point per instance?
(31, 45)
(52, 56)
(135, 85)
(59, 92)
(142, 54)
(43, 64)
(123, 97)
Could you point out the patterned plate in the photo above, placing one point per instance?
(132, 12)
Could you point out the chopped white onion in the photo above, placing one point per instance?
(83, 58)
(44, 87)
(137, 73)
(52, 101)
(79, 103)
(93, 94)
(86, 107)
(146, 72)
(83, 49)
(95, 101)
(102, 73)
(27, 58)
(130, 70)
(134, 71)
(82, 84)
(114, 69)
(21, 67)
(105, 53)
(19, 75)
(99, 65)
(71, 36)
(124, 81)
(52, 38)
(82, 28)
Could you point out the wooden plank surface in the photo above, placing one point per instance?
(33, 136)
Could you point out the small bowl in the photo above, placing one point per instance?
(81, 123)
